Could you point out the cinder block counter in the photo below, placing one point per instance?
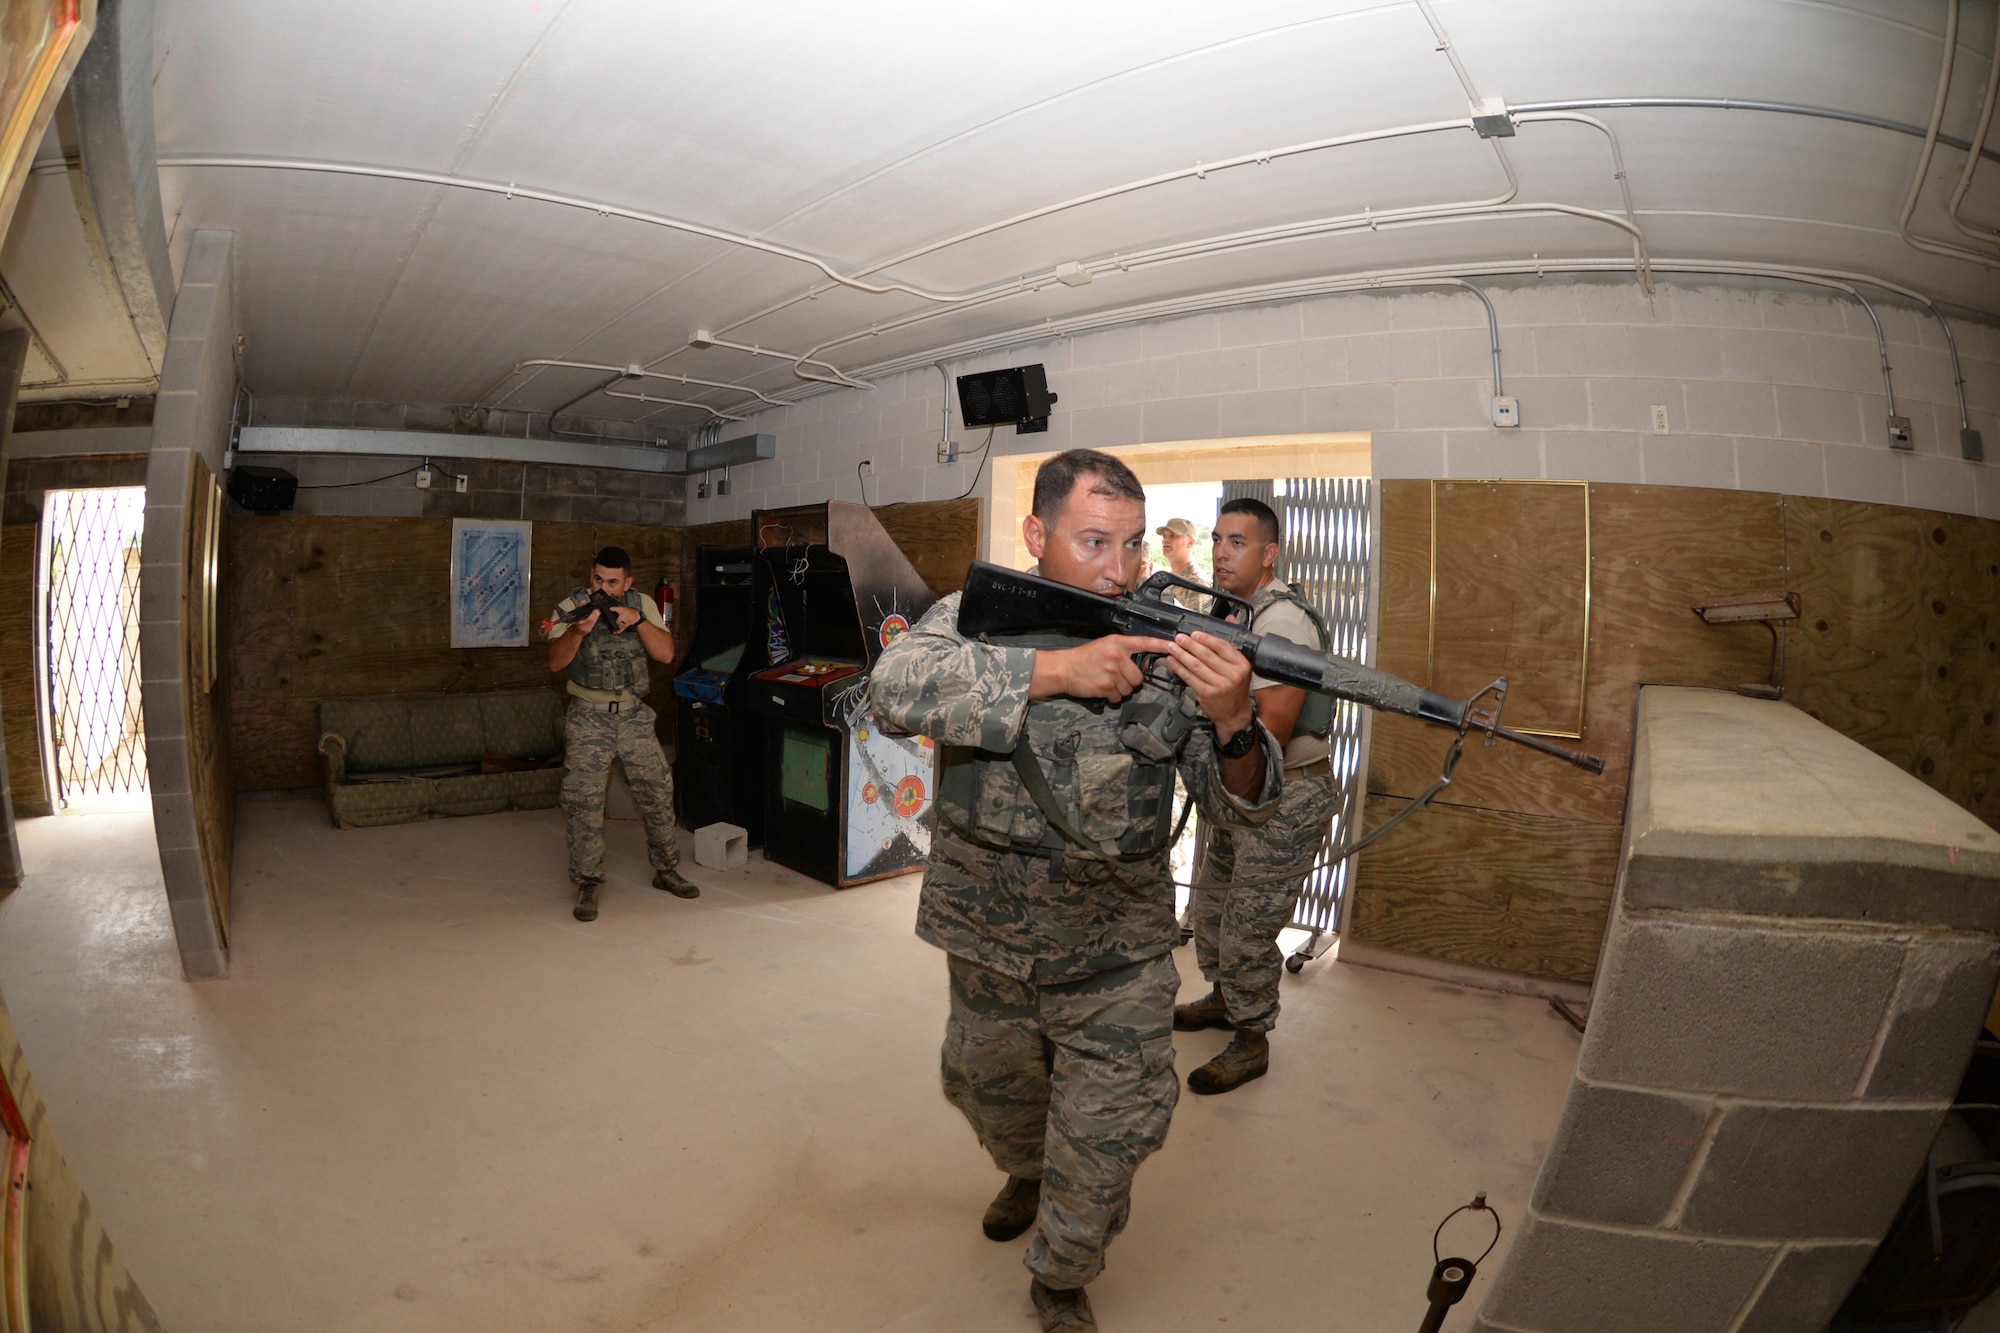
(1800, 956)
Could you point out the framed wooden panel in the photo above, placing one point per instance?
(1510, 596)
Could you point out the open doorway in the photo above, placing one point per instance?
(1320, 487)
(88, 619)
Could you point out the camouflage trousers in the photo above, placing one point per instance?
(1236, 928)
(592, 738)
(1073, 1084)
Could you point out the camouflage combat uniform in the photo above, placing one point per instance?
(1236, 927)
(1059, 1047)
(608, 719)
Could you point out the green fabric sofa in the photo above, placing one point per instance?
(393, 758)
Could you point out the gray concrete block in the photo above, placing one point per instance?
(182, 866)
(194, 920)
(160, 596)
(1561, 1278)
(205, 964)
(1619, 1155)
(1743, 806)
(167, 474)
(546, 508)
(207, 259)
(428, 416)
(174, 822)
(1811, 877)
(1755, 1012)
(1806, 1290)
(1824, 1172)
(1939, 1008)
(184, 368)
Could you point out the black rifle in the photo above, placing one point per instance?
(599, 601)
(1005, 601)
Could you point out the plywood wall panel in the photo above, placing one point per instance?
(1898, 648)
(1656, 552)
(1510, 576)
(1492, 888)
(941, 538)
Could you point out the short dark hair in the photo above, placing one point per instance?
(1267, 521)
(612, 557)
(1056, 479)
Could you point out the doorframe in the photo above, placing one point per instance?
(44, 695)
(1341, 453)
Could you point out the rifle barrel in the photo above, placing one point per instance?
(1590, 763)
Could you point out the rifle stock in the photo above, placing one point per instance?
(1006, 601)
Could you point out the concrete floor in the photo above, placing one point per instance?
(428, 1099)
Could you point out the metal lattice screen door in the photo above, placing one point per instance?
(1326, 558)
(96, 744)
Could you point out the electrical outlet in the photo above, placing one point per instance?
(947, 451)
(460, 482)
(1659, 418)
(1899, 434)
(1506, 411)
(424, 477)
(867, 467)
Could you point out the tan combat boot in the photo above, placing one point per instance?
(1207, 1012)
(675, 883)
(1247, 1056)
(1063, 1310)
(1013, 1208)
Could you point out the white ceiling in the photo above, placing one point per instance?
(858, 133)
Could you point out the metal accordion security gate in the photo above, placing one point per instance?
(90, 581)
(1326, 535)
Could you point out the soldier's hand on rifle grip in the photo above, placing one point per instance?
(1219, 677)
(620, 614)
(1100, 669)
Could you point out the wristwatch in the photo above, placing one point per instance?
(1243, 741)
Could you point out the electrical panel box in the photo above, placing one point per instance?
(1899, 434)
(1506, 411)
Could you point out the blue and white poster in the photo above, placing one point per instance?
(489, 582)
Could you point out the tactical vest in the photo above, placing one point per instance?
(610, 661)
(1106, 781)
(1316, 714)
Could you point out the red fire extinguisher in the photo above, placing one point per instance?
(664, 593)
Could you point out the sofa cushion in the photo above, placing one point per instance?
(535, 790)
(472, 794)
(377, 731)
(527, 724)
(444, 729)
(370, 803)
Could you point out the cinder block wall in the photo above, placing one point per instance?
(1799, 961)
(1768, 387)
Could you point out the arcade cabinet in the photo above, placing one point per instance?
(843, 802)
(719, 762)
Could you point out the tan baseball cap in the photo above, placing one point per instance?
(1175, 527)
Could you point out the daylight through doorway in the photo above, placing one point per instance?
(90, 568)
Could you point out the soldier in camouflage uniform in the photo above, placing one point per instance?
(604, 656)
(1249, 879)
(1048, 883)
(1177, 544)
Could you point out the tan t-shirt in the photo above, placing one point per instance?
(557, 629)
(1288, 620)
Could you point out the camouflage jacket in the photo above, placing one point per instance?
(991, 894)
